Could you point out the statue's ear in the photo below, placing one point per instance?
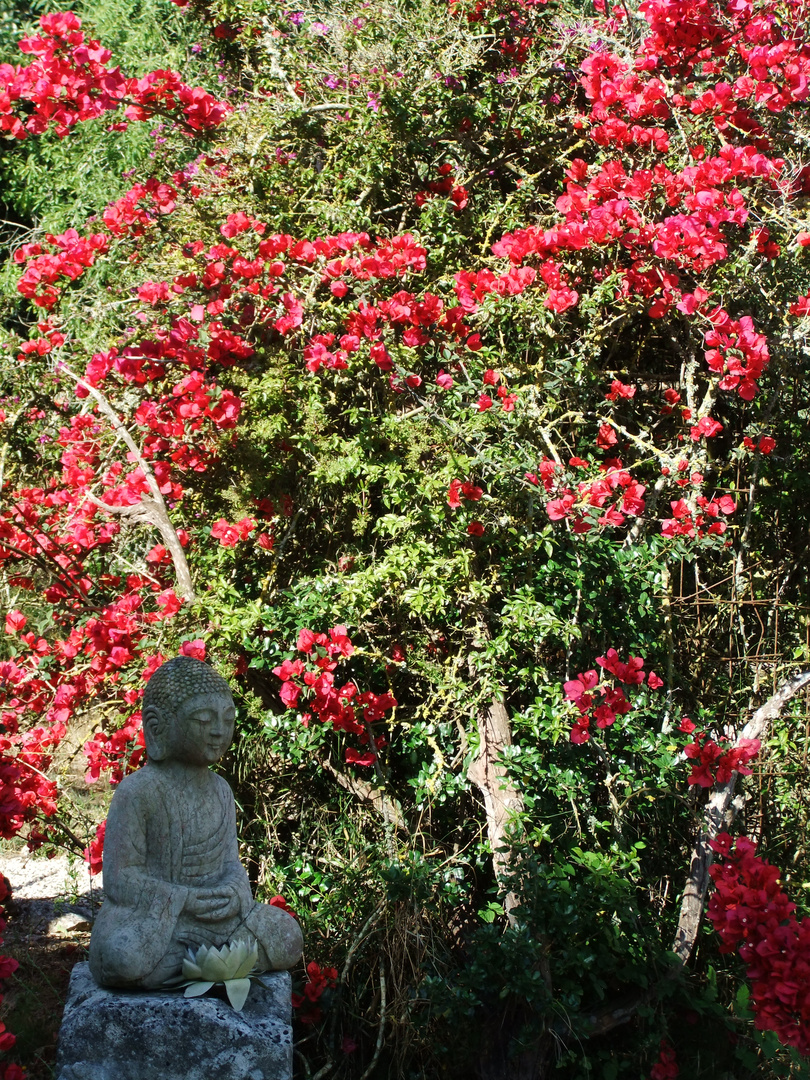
(154, 731)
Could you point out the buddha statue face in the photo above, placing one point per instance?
(188, 713)
(202, 729)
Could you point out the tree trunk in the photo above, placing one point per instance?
(502, 1059)
(502, 799)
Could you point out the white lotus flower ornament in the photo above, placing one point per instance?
(230, 965)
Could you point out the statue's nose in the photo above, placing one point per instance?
(219, 726)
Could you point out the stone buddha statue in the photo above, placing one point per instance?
(172, 876)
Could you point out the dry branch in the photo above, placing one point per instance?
(388, 808)
(152, 508)
(381, 1029)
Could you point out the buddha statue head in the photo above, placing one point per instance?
(188, 713)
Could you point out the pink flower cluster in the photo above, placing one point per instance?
(112, 753)
(614, 208)
(605, 500)
(73, 255)
(585, 690)
(94, 852)
(344, 707)
(714, 764)
(700, 519)
(142, 206)
(27, 793)
(54, 679)
(68, 82)
(231, 535)
(756, 919)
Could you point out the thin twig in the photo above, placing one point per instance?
(381, 1029)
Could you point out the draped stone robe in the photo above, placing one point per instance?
(165, 838)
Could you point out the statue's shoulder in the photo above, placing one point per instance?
(221, 786)
(138, 786)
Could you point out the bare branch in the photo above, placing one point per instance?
(389, 809)
(152, 510)
(381, 1028)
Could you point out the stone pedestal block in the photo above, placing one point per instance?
(160, 1035)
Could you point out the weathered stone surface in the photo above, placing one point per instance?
(172, 875)
(160, 1035)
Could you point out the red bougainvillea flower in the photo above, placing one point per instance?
(15, 621)
(319, 980)
(755, 918)
(712, 763)
(231, 535)
(666, 1068)
(313, 681)
(93, 854)
(280, 902)
(603, 702)
(194, 648)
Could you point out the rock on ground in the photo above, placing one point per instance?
(160, 1035)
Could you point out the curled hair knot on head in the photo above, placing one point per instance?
(171, 685)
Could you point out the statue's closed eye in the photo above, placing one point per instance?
(208, 718)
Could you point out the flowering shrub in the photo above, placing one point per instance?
(479, 343)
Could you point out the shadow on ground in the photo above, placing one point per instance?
(50, 916)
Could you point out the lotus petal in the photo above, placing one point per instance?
(237, 991)
(249, 957)
(197, 989)
(215, 966)
(191, 970)
(237, 951)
